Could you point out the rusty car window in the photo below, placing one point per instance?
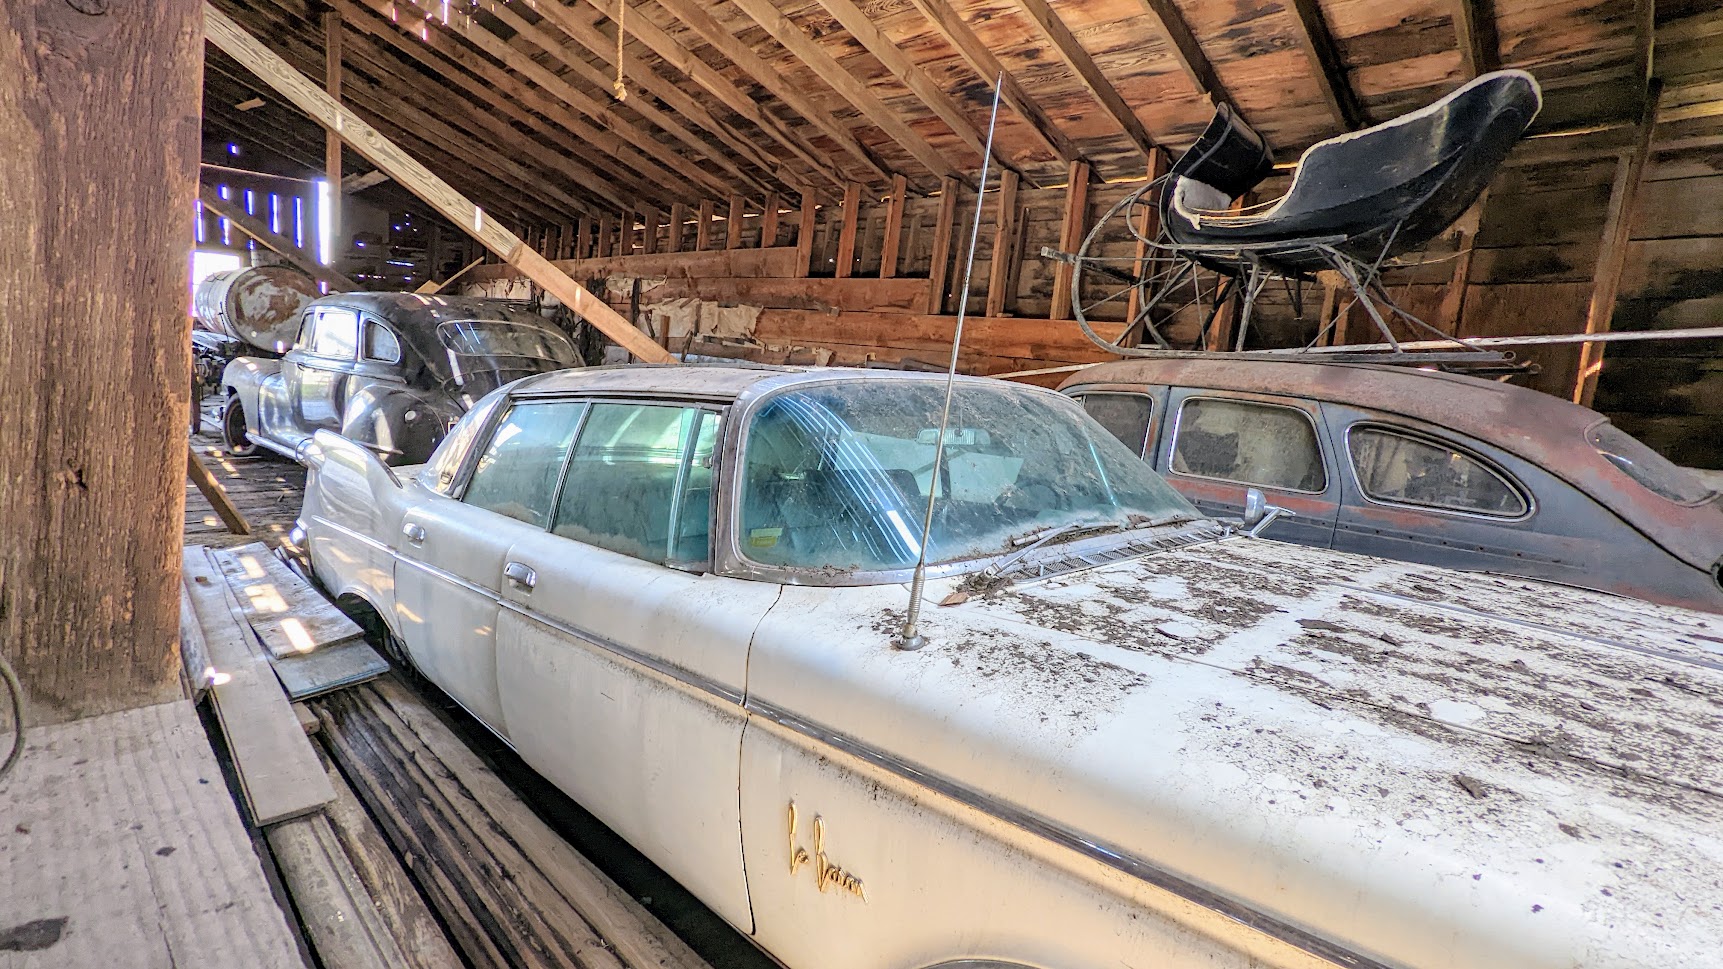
(1269, 445)
(1403, 469)
(518, 472)
(1125, 416)
(1651, 470)
(336, 334)
(628, 482)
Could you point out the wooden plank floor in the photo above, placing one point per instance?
(123, 847)
(267, 490)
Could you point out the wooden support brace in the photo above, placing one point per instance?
(649, 222)
(847, 231)
(331, 140)
(1071, 235)
(583, 237)
(678, 220)
(805, 235)
(769, 221)
(1148, 228)
(703, 226)
(606, 226)
(893, 238)
(1000, 280)
(414, 176)
(733, 223)
(944, 227)
(214, 493)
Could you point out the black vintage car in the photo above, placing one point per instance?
(391, 371)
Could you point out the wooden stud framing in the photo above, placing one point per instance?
(1071, 231)
(332, 141)
(733, 223)
(582, 238)
(769, 221)
(1000, 279)
(703, 226)
(601, 245)
(1087, 73)
(944, 227)
(1612, 259)
(1318, 44)
(650, 220)
(1466, 241)
(1149, 228)
(1475, 27)
(987, 66)
(892, 239)
(805, 235)
(678, 221)
(847, 232)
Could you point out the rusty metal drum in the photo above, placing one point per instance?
(259, 305)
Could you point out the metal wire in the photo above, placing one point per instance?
(17, 694)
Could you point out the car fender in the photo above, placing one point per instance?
(353, 507)
(245, 376)
(401, 425)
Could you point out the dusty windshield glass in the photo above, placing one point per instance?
(499, 338)
(837, 475)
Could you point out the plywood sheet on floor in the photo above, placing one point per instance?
(123, 847)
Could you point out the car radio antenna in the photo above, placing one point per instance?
(910, 637)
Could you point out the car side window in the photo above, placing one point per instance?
(336, 334)
(640, 482)
(445, 464)
(1404, 469)
(1270, 445)
(381, 344)
(517, 473)
(1125, 416)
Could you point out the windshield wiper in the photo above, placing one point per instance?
(1042, 537)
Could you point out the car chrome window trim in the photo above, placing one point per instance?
(1525, 494)
(1064, 836)
(1315, 436)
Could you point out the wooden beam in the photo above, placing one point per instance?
(1185, 49)
(1612, 259)
(279, 244)
(769, 221)
(1475, 30)
(606, 229)
(703, 225)
(1466, 242)
(839, 79)
(1000, 279)
(892, 241)
(693, 14)
(332, 141)
(1071, 231)
(1148, 228)
(944, 227)
(678, 221)
(360, 183)
(805, 235)
(1318, 43)
(412, 175)
(733, 223)
(214, 493)
(982, 61)
(847, 231)
(1087, 73)
(582, 238)
(649, 222)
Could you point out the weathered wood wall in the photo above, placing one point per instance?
(97, 177)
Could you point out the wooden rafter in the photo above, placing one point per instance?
(692, 14)
(805, 49)
(986, 66)
(1088, 74)
(1318, 44)
(1186, 50)
(1475, 29)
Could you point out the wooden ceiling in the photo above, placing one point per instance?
(512, 100)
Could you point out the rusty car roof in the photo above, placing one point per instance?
(1540, 428)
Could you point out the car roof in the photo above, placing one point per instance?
(723, 382)
(1537, 427)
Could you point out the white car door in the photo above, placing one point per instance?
(451, 569)
(622, 663)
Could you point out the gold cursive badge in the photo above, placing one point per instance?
(826, 875)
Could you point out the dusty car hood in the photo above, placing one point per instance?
(1437, 768)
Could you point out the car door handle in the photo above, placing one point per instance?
(520, 574)
(414, 531)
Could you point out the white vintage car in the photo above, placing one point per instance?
(1133, 738)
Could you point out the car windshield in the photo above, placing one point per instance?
(500, 338)
(836, 476)
(1652, 470)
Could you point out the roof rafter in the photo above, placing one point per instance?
(1318, 44)
(1475, 29)
(1088, 74)
(1177, 31)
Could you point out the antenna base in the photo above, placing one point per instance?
(909, 640)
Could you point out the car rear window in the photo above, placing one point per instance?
(501, 338)
(1653, 471)
(1268, 445)
(1125, 416)
(1405, 469)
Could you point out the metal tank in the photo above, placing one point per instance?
(259, 305)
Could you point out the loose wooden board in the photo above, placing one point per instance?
(290, 616)
(278, 770)
(329, 668)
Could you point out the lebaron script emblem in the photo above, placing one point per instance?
(826, 875)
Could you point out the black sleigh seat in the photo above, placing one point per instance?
(1398, 184)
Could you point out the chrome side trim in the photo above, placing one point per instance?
(359, 537)
(1063, 836)
(671, 670)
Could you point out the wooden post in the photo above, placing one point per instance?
(769, 221)
(416, 178)
(601, 245)
(649, 220)
(1071, 235)
(97, 181)
(1466, 238)
(939, 271)
(1148, 228)
(805, 235)
(847, 232)
(1000, 280)
(582, 238)
(331, 140)
(1612, 259)
(678, 219)
(703, 226)
(733, 223)
(892, 241)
